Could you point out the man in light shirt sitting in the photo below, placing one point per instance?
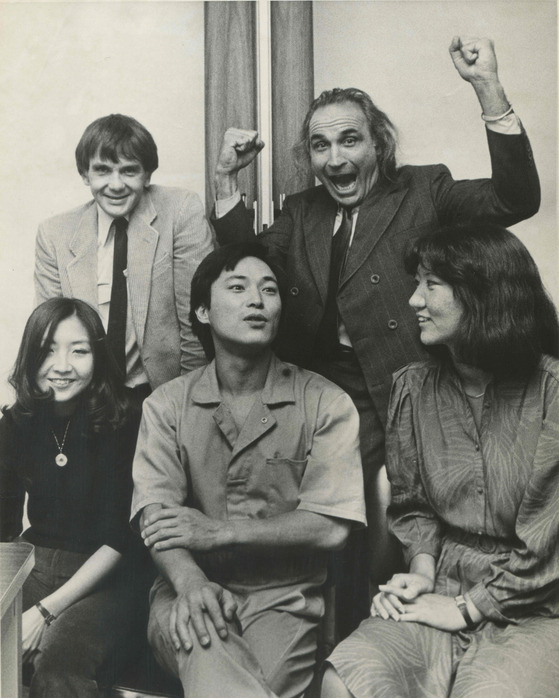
(246, 474)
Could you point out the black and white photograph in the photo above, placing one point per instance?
(279, 349)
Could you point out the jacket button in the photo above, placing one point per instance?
(392, 324)
(375, 278)
(294, 291)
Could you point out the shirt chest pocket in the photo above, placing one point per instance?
(284, 477)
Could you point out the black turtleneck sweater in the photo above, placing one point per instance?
(78, 507)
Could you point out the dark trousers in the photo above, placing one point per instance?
(371, 555)
(92, 639)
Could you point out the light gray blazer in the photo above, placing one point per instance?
(168, 236)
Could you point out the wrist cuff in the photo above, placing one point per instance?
(489, 119)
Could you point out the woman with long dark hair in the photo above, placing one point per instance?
(68, 442)
(473, 459)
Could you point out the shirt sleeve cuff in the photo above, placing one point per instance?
(509, 125)
(223, 206)
(432, 548)
(356, 518)
(486, 604)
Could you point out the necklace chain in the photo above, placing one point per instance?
(474, 397)
(61, 459)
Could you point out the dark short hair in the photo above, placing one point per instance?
(382, 130)
(209, 270)
(104, 396)
(116, 136)
(508, 320)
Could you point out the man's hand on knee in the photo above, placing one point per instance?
(200, 603)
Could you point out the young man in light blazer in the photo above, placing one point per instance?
(165, 237)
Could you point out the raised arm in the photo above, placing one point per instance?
(476, 62)
(238, 149)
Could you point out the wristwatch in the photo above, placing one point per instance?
(49, 617)
(463, 608)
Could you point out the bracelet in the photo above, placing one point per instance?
(49, 617)
(489, 119)
(463, 608)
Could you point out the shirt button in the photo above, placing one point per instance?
(480, 490)
(392, 324)
(264, 420)
(375, 278)
(294, 291)
(477, 447)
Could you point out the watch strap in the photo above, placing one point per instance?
(49, 617)
(463, 608)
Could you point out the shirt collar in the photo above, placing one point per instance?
(354, 211)
(104, 222)
(278, 389)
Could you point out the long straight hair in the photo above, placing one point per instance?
(104, 397)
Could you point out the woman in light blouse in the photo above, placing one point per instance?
(473, 460)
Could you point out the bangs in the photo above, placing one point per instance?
(426, 252)
(114, 150)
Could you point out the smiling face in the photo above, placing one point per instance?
(438, 311)
(342, 152)
(116, 186)
(245, 307)
(68, 367)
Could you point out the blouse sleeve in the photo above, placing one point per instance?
(115, 530)
(12, 491)
(410, 516)
(528, 577)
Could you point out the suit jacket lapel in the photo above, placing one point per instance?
(142, 243)
(318, 228)
(375, 215)
(82, 270)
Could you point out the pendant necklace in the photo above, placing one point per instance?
(61, 459)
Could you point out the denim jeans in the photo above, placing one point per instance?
(91, 639)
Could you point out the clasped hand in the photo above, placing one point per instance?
(409, 598)
(183, 527)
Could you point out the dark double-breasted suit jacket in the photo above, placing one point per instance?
(374, 289)
(168, 236)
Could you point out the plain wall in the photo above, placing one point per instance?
(397, 51)
(62, 65)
